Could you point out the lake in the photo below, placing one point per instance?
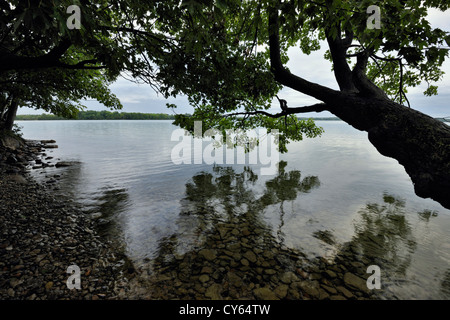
(329, 193)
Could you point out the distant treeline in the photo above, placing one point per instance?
(101, 115)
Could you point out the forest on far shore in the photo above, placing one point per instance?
(101, 115)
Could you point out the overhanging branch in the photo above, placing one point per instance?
(319, 107)
(284, 76)
(51, 59)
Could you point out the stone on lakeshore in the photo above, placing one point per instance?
(14, 282)
(345, 292)
(222, 231)
(331, 290)
(234, 279)
(354, 282)
(207, 254)
(49, 285)
(213, 292)
(288, 277)
(11, 142)
(235, 232)
(237, 256)
(270, 271)
(63, 164)
(204, 278)
(250, 256)
(323, 295)
(337, 297)
(268, 254)
(281, 291)
(309, 289)
(264, 294)
(207, 270)
(50, 146)
(330, 274)
(16, 178)
(245, 262)
(294, 294)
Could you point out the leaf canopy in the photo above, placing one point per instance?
(215, 52)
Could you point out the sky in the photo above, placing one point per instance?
(142, 98)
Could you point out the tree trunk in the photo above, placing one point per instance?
(418, 142)
(11, 115)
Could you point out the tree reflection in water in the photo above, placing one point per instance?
(225, 249)
(384, 237)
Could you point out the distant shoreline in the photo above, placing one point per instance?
(100, 115)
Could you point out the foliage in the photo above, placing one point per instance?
(31, 30)
(218, 53)
(222, 54)
(59, 91)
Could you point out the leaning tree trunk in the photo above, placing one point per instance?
(10, 115)
(418, 142)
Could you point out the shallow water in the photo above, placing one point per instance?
(329, 194)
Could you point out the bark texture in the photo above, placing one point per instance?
(420, 143)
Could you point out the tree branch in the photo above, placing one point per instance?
(51, 59)
(365, 86)
(284, 76)
(319, 107)
(342, 71)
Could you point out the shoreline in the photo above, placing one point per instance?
(42, 234)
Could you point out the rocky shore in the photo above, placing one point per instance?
(42, 234)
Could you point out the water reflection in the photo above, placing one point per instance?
(285, 187)
(445, 284)
(105, 207)
(384, 237)
(225, 249)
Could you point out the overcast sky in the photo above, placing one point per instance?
(141, 98)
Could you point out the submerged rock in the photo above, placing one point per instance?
(354, 282)
(214, 292)
(63, 164)
(265, 294)
(207, 254)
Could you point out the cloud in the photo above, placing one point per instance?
(439, 19)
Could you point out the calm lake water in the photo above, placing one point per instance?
(337, 185)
